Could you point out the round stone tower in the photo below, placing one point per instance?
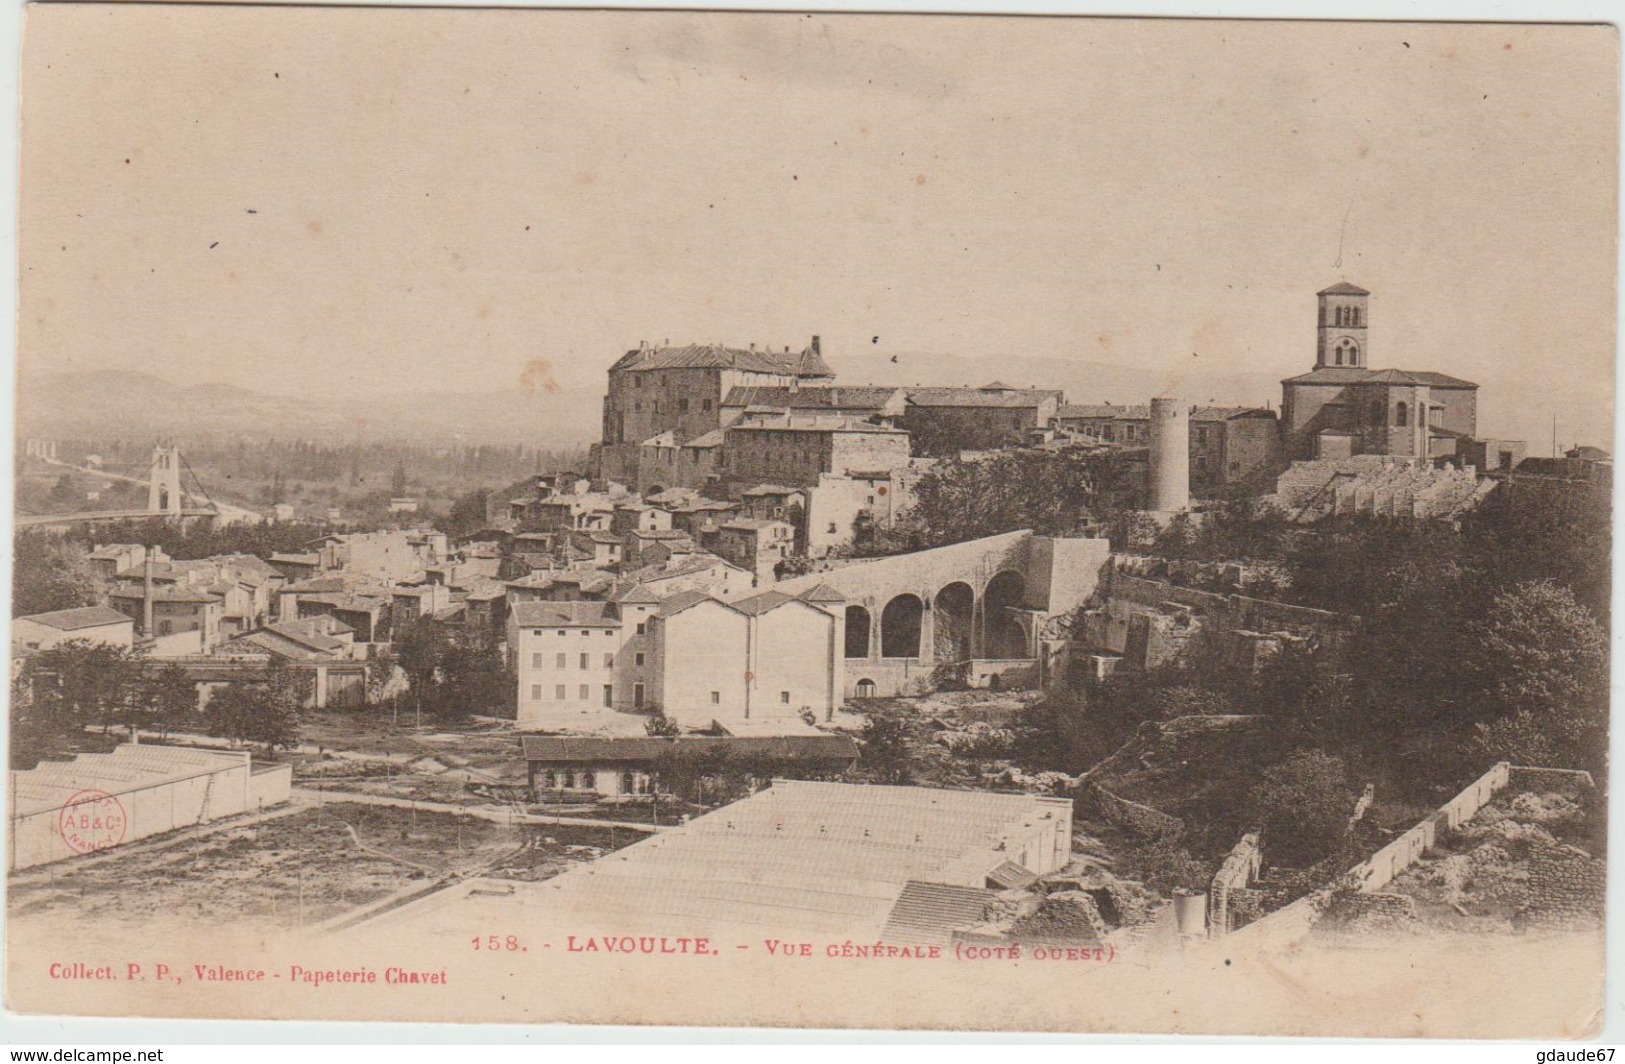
(1170, 455)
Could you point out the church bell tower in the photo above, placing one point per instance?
(1341, 335)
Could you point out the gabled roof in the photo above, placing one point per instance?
(760, 603)
(831, 397)
(1355, 375)
(1001, 397)
(664, 439)
(565, 615)
(707, 441)
(165, 593)
(75, 619)
(806, 363)
(821, 593)
(1343, 288)
(636, 595)
(770, 489)
(685, 600)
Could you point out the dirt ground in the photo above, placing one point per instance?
(301, 869)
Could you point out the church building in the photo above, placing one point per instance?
(1342, 407)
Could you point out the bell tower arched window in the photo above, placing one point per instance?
(1401, 415)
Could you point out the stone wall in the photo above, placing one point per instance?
(1142, 820)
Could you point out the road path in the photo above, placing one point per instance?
(496, 814)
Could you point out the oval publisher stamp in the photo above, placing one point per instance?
(92, 820)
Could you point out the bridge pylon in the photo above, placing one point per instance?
(164, 481)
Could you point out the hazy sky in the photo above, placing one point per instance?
(346, 199)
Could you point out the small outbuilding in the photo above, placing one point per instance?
(619, 767)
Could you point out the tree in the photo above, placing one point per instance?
(662, 727)
(253, 711)
(468, 513)
(1541, 671)
(1052, 493)
(1302, 807)
(51, 574)
(1166, 865)
(473, 677)
(420, 648)
(169, 698)
(884, 742)
(72, 686)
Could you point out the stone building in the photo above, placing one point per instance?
(1342, 407)
(655, 390)
(945, 421)
(878, 403)
(1228, 444)
(797, 450)
(757, 664)
(754, 544)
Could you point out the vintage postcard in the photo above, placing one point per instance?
(865, 521)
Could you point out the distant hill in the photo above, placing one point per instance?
(132, 404)
(1083, 381)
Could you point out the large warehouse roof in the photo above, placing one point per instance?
(49, 785)
(811, 857)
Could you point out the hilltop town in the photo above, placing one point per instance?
(1013, 667)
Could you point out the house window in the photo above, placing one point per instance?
(561, 633)
(784, 698)
(558, 692)
(705, 404)
(584, 693)
(536, 660)
(165, 627)
(637, 659)
(535, 692)
(584, 781)
(609, 696)
(628, 783)
(549, 780)
(637, 696)
(584, 658)
(637, 406)
(832, 528)
(638, 381)
(716, 698)
(641, 627)
(1402, 416)
(682, 406)
(871, 500)
(558, 661)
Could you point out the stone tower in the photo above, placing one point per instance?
(1170, 455)
(164, 481)
(1340, 340)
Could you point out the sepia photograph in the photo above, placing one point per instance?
(828, 521)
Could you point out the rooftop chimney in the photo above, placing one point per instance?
(817, 349)
(146, 596)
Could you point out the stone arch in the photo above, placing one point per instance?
(1004, 636)
(953, 614)
(865, 688)
(900, 625)
(857, 632)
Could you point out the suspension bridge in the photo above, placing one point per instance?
(166, 498)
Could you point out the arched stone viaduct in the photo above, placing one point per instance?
(987, 599)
